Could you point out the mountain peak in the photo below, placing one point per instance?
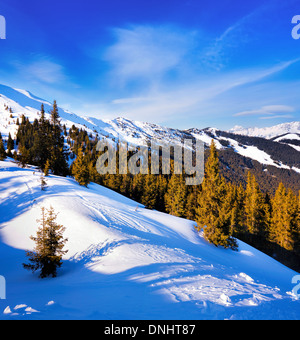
(268, 132)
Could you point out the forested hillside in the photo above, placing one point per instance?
(252, 194)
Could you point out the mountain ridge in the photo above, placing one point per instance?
(273, 159)
(268, 132)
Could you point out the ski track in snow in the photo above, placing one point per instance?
(127, 262)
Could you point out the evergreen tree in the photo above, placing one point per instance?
(149, 193)
(191, 204)
(125, 185)
(238, 211)
(42, 140)
(2, 149)
(137, 186)
(58, 157)
(47, 168)
(255, 210)
(175, 197)
(43, 182)
(10, 144)
(80, 169)
(214, 210)
(297, 229)
(292, 219)
(161, 188)
(284, 218)
(24, 156)
(48, 252)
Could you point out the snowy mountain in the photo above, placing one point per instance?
(268, 132)
(272, 159)
(14, 103)
(128, 262)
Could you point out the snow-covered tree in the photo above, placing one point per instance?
(48, 252)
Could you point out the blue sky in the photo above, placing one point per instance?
(177, 63)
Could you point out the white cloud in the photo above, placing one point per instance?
(278, 117)
(268, 112)
(187, 99)
(41, 70)
(159, 72)
(46, 71)
(147, 52)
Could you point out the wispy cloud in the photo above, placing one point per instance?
(163, 103)
(46, 71)
(269, 112)
(217, 53)
(41, 69)
(278, 117)
(147, 52)
(161, 71)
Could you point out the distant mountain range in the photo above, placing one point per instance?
(272, 154)
(269, 132)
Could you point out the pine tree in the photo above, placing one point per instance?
(42, 141)
(2, 149)
(125, 187)
(47, 168)
(48, 252)
(284, 221)
(10, 144)
(24, 155)
(191, 204)
(43, 182)
(297, 228)
(150, 193)
(175, 197)
(58, 157)
(255, 212)
(80, 169)
(161, 188)
(137, 186)
(238, 211)
(292, 219)
(214, 210)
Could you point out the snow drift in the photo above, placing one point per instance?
(128, 262)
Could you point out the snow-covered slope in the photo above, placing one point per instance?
(139, 133)
(278, 153)
(268, 132)
(127, 262)
(23, 102)
(15, 102)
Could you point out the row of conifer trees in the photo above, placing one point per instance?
(226, 211)
(223, 211)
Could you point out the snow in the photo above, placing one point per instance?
(135, 132)
(128, 262)
(290, 136)
(255, 153)
(125, 261)
(268, 132)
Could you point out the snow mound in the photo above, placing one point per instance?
(128, 262)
